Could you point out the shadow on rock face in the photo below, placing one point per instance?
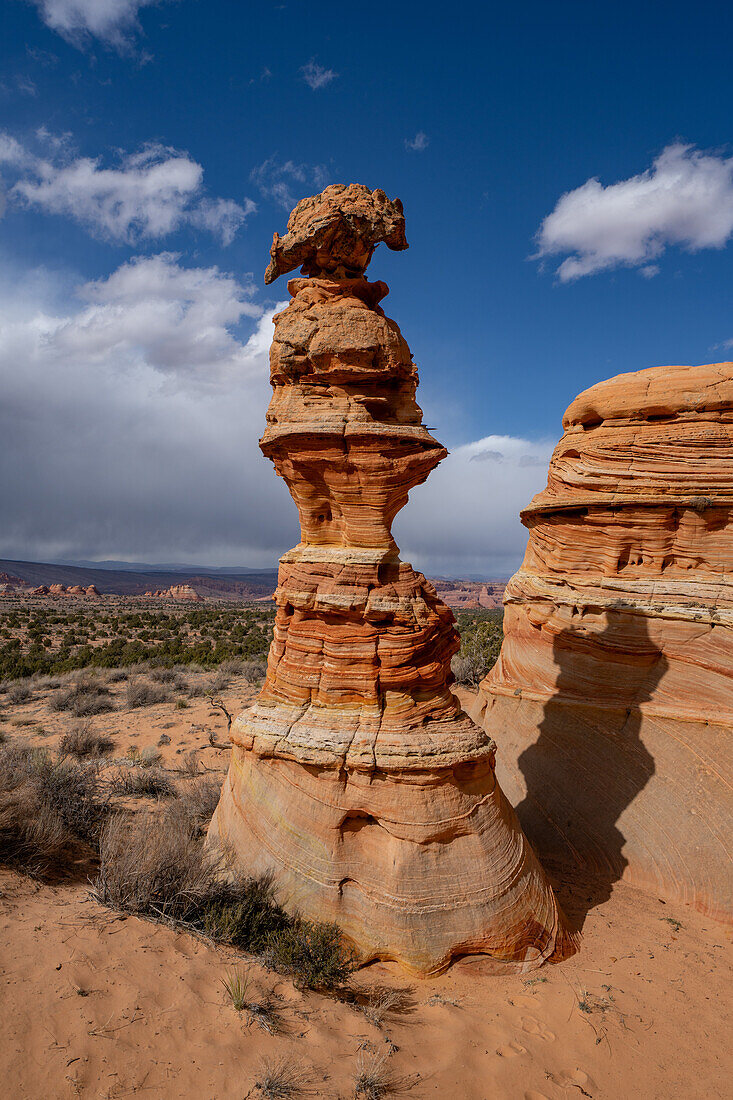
(589, 763)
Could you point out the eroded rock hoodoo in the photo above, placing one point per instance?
(613, 695)
(356, 778)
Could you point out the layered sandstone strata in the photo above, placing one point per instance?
(613, 695)
(356, 778)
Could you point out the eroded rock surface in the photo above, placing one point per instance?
(613, 695)
(356, 778)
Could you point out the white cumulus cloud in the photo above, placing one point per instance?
(113, 22)
(685, 198)
(464, 520)
(146, 194)
(130, 419)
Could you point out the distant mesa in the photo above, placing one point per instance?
(176, 592)
(470, 595)
(612, 698)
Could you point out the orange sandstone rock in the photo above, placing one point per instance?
(356, 778)
(613, 694)
(183, 592)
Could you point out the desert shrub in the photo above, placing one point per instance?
(82, 741)
(163, 675)
(83, 698)
(117, 676)
(143, 693)
(46, 683)
(181, 704)
(20, 692)
(70, 790)
(196, 804)
(214, 683)
(254, 670)
(481, 637)
(47, 807)
(143, 783)
(163, 870)
(243, 913)
(170, 676)
(313, 954)
(232, 666)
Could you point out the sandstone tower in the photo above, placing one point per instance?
(613, 694)
(356, 778)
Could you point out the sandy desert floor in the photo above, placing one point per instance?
(102, 1005)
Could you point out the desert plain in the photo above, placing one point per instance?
(101, 1003)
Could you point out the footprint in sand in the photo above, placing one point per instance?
(534, 1027)
(579, 1078)
(511, 1050)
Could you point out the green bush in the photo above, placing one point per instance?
(313, 954)
(481, 637)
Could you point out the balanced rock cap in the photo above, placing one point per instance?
(336, 232)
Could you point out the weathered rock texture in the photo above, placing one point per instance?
(356, 778)
(613, 695)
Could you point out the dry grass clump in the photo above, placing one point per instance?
(144, 693)
(189, 765)
(146, 757)
(143, 783)
(84, 742)
(372, 1079)
(83, 698)
(382, 1002)
(279, 1079)
(195, 805)
(47, 808)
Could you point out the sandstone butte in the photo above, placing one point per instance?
(356, 779)
(613, 695)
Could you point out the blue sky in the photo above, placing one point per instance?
(149, 151)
